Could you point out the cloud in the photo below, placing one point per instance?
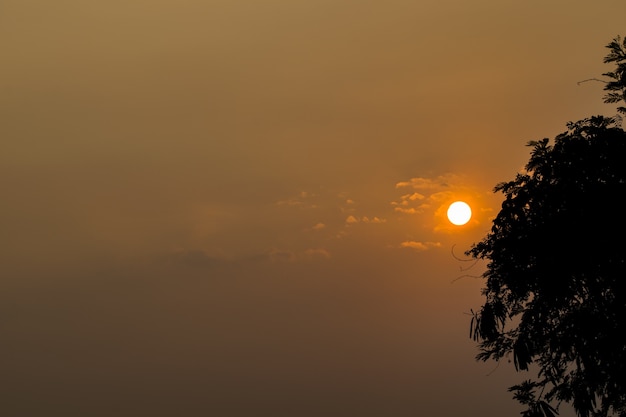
(411, 210)
(290, 202)
(301, 200)
(436, 183)
(419, 246)
(406, 201)
(429, 193)
(374, 219)
(348, 205)
(414, 196)
(420, 183)
(351, 220)
(364, 219)
(319, 226)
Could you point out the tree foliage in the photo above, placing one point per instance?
(555, 291)
(616, 87)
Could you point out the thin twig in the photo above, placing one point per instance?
(494, 369)
(460, 259)
(465, 276)
(592, 79)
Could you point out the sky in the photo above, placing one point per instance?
(236, 208)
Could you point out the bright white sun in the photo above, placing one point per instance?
(459, 213)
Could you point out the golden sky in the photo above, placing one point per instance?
(237, 208)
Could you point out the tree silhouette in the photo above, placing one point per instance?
(555, 292)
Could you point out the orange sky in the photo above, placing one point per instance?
(237, 208)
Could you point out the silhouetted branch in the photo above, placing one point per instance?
(592, 79)
(494, 369)
(465, 276)
(469, 259)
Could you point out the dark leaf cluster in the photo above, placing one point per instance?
(616, 87)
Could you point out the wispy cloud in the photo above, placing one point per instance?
(410, 210)
(419, 246)
(421, 183)
(303, 199)
(428, 193)
(319, 226)
(364, 219)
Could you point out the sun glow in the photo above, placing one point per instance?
(459, 213)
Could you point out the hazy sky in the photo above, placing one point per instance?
(237, 208)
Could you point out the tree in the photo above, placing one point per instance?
(555, 290)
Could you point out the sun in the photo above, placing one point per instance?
(459, 213)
